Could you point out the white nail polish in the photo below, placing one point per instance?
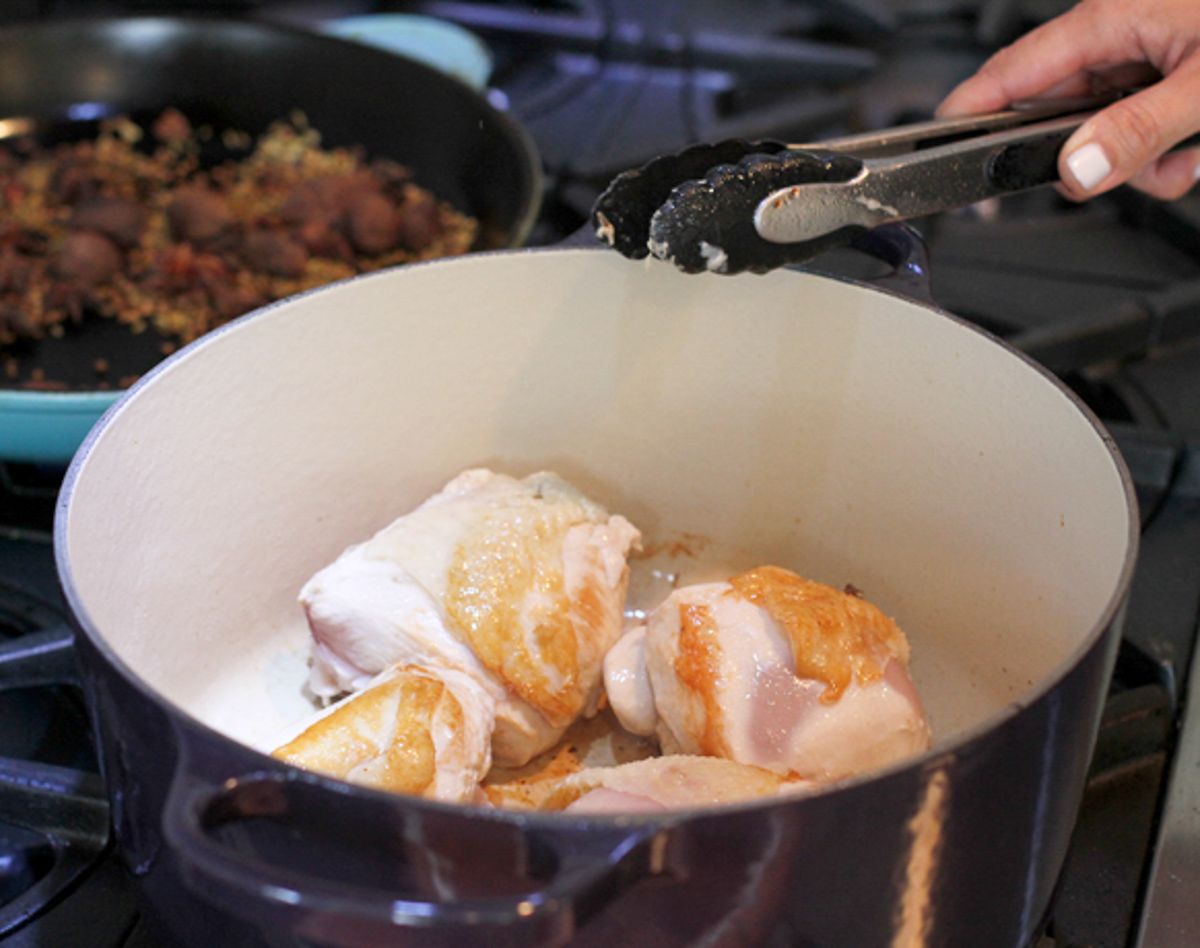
(1089, 165)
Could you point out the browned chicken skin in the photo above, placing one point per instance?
(518, 583)
(773, 670)
(412, 730)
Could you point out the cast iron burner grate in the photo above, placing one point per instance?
(607, 84)
(28, 494)
(54, 816)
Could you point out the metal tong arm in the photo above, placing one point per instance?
(915, 171)
(921, 136)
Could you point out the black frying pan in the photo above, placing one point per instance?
(242, 75)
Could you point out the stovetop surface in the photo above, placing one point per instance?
(1106, 294)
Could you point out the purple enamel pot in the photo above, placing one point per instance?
(814, 423)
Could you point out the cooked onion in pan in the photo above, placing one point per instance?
(141, 226)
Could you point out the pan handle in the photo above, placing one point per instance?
(903, 249)
(589, 871)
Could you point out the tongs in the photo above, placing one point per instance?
(738, 206)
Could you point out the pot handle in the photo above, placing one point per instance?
(350, 916)
(902, 248)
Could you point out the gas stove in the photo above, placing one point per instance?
(1106, 295)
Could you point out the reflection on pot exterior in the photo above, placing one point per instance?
(920, 874)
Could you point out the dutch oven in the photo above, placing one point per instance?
(819, 424)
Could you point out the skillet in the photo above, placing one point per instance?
(63, 76)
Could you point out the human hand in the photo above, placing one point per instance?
(1103, 46)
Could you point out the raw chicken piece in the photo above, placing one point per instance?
(411, 730)
(664, 783)
(518, 583)
(772, 670)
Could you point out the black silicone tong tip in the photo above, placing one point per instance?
(621, 215)
(708, 224)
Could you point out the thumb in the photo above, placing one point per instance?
(1120, 141)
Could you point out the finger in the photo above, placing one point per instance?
(1087, 50)
(1100, 82)
(1119, 141)
(1050, 57)
(1171, 177)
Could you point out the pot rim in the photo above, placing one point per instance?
(1107, 623)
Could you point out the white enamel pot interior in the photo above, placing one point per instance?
(788, 419)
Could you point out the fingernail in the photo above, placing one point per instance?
(1089, 165)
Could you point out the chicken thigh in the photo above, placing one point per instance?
(518, 583)
(411, 730)
(772, 670)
